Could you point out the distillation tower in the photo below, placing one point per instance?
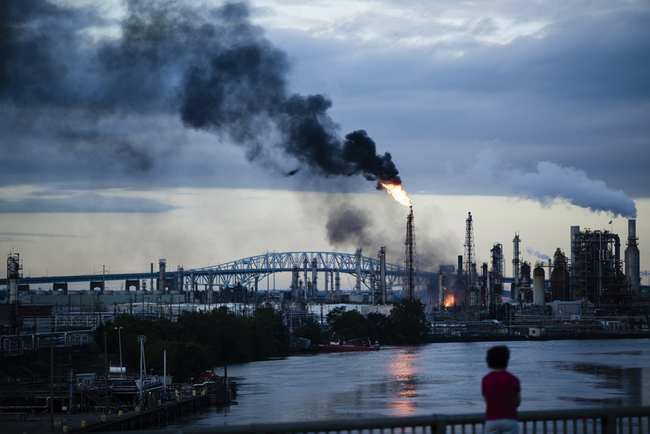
(14, 274)
(498, 266)
(470, 263)
(596, 267)
(516, 283)
(410, 262)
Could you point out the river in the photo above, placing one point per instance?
(435, 378)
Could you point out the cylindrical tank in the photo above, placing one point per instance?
(538, 285)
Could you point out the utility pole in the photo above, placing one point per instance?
(119, 333)
(52, 382)
(105, 372)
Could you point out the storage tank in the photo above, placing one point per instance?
(538, 285)
(559, 278)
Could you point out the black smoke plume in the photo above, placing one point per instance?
(348, 226)
(210, 67)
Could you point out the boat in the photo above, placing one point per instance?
(354, 345)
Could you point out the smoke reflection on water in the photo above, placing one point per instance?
(434, 378)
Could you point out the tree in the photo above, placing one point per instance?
(352, 325)
(334, 313)
(409, 323)
(198, 340)
(310, 330)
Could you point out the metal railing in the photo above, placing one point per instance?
(16, 345)
(611, 420)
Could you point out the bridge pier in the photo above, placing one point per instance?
(60, 286)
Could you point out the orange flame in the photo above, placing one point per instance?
(397, 193)
(449, 301)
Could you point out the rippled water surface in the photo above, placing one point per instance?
(435, 378)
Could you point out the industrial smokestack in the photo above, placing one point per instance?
(632, 259)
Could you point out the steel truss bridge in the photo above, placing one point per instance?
(244, 271)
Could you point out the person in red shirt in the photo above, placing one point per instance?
(502, 393)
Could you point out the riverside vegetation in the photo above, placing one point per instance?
(200, 340)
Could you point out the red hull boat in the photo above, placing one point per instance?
(336, 348)
(361, 344)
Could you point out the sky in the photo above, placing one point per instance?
(205, 132)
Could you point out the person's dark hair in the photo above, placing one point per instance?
(498, 357)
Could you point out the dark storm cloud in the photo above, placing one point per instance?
(209, 67)
(603, 56)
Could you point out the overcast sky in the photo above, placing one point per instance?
(139, 117)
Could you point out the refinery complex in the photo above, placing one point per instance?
(595, 274)
(596, 283)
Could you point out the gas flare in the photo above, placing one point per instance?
(398, 193)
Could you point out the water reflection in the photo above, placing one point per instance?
(401, 369)
(435, 378)
(630, 385)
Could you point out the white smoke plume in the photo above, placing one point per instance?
(551, 181)
(537, 254)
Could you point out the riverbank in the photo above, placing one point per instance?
(499, 337)
(19, 423)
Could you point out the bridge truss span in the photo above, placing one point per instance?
(244, 271)
(247, 271)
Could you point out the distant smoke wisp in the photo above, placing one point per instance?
(551, 181)
(537, 254)
(209, 67)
